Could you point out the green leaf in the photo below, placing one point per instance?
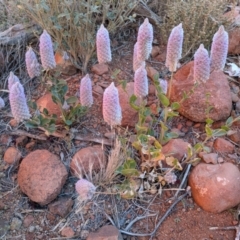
(165, 128)
(207, 149)
(32, 105)
(132, 101)
(175, 106)
(209, 131)
(219, 132)
(45, 112)
(163, 99)
(229, 121)
(198, 147)
(171, 135)
(72, 100)
(209, 121)
(155, 78)
(130, 172)
(31, 124)
(68, 122)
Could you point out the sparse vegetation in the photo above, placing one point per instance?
(200, 20)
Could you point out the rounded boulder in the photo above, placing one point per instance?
(41, 176)
(215, 188)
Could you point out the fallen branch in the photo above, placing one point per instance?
(103, 141)
(237, 228)
(24, 133)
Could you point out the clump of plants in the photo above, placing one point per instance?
(73, 24)
(200, 20)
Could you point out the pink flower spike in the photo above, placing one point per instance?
(12, 79)
(174, 48)
(112, 112)
(201, 64)
(136, 63)
(164, 85)
(2, 103)
(144, 39)
(46, 51)
(85, 189)
(18, 102)
(219, 49)
(86, 98)
(33, 67)
(103, 45)
(141, 82)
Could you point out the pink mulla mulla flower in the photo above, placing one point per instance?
(33, 67)
(174, 48)
(219, 49)
(144, 39)
(85, 189)
(86, 97)
(112, 112)
(137, 63)
(201, 64)
(141, 82)
(18, 102)
(103, 45)
(12, 79)
(2, 103)
(46, 51)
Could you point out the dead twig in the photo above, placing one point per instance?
(24, 133)
(237, 228)
(103, 141)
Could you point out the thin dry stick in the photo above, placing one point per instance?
(237, 228)
(168, 212)
(24, 133)
(183, 180)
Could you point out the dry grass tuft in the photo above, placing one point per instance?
(200, 20)
(73, 24)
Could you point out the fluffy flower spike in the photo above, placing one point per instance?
(164, 85)
(141, 82)
(103, 45)
(33, 67)
(201, 64)
(18, 102)
(12, 79)
(144, 39)
(46, 51)
(174, 48)
(137, 63)
(85, 189)
(86, 98)
(112, 112)
(219, 49)
(2, 103)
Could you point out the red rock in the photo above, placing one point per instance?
(107, 232)
(215, 188)
(46, 102)
(210, 158)
(12, 155)
(155, 51)
(223, 146)
(194, 108)
(64, 66)
(151, 72)
(176, 148)
(5, 139)
(28, 219)
(86, 159)
(129, 115)
(235, 137)
(100, 69)
(41, 176)
(21, 141)
(61, 207)
(98, 89)
(67, 232)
